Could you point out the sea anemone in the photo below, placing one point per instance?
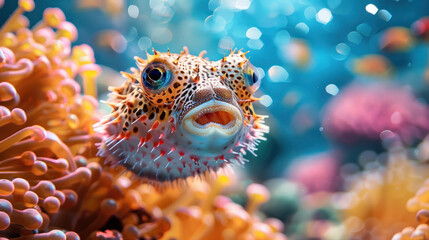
(52, 184)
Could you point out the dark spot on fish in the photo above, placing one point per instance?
(162, 116)
(151, 116)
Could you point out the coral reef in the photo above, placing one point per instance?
(374, 111)
(52, 184)
(374, 205)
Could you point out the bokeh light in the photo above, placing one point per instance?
(324, 16)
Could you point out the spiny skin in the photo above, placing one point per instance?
(180, 115)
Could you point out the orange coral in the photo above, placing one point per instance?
(207, 215)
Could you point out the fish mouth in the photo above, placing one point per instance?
(213, 116)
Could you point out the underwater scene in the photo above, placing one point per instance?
(214, 119)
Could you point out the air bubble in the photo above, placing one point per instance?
(302, 27)
(371, 8)
(255, 44)
(384, 15)
(133, 11)
(332, 89)
(278, 74)
(324, 16)
(266, 100)
(253, 33)
(144, 43)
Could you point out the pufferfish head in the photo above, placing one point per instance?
(180, 115)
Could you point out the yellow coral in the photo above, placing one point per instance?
(374, 207)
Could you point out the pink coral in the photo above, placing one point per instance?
(315, 172)
(364, 111)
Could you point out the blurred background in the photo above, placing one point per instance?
(344, 81)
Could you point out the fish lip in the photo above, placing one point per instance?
(190, 124)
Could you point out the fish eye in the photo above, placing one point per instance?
(156, 76)
(251, 76)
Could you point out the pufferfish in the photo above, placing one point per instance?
(180, 115)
